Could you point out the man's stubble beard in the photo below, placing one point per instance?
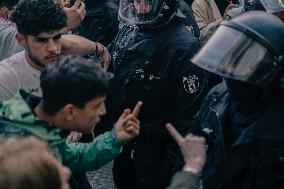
(35, 60)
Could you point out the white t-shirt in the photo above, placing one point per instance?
(15, 74)
(8, 43)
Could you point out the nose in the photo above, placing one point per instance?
(102, 110)
(51, 46)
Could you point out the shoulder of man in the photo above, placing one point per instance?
(180, 37)
(216, 92)
(9, 64)
(16, 119)
(9, 76)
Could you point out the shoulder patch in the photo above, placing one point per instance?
(191, 84)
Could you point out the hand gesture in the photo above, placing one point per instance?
(127, 127)
(74, 136)
(75, 14)
(192, 148)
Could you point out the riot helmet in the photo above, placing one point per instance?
(147, 13)
(248, 48)
(272, 6)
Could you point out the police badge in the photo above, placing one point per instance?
(191, 84)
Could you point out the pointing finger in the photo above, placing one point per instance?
(137, 109)
(77, 4)
(174, 133)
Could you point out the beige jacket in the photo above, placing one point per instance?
(207, 16)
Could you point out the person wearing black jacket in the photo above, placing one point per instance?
(100, 23)
(151, 62)
(244, 114)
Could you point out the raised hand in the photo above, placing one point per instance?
(192, 148)
(75, 14)
(128, 126)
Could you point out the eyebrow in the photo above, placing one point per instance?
(45, 38)
(57, 36)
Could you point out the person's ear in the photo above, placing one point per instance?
(69, 111)
(4, 13)
(21, 39)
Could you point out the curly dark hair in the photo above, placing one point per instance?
(35, 16)
(72, 80)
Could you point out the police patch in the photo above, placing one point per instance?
(191, 84)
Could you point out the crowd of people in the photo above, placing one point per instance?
(178, 93)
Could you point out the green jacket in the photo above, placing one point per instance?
(17, 120)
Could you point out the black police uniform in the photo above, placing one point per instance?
(248, 149)
(100, 23)
(153, 65)
(244, 115)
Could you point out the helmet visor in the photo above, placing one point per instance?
(272, 6)
(232, 54)
(139, 11)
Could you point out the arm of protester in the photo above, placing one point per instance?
(194, 154)
(75, 44)
(82, 157)
(75, 15)
(207, 28)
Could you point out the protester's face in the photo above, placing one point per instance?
(85, 119)
(43, 49)
(142, 6)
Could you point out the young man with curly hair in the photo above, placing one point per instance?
(41, 27)
(73, 100)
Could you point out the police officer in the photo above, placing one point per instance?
(151, 62)
(244, 114)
